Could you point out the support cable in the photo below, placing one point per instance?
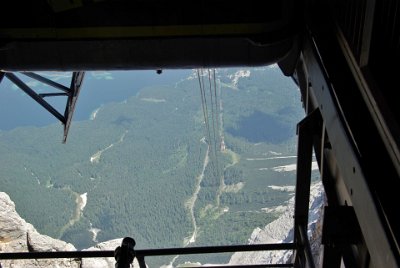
(216, 105)
(215, 127)
(212, 103)
(212, 116)
(218, 140)
(204, 104)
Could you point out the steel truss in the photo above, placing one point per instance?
(71, 92)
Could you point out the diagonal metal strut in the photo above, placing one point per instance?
(76, 83)
(72, 93)
(18, 82)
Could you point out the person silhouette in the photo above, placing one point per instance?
(125, 253)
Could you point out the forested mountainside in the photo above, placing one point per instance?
(149, 167)
(18, 235)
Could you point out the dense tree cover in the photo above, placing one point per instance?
(139, 160)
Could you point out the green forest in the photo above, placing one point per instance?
(140, 163)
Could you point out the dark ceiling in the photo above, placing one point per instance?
(90, 35)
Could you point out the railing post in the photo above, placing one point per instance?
(125, 253)
(306, 130)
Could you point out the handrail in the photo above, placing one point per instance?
(248, 266)
(146, 252)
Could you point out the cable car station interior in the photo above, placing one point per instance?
(341, 54)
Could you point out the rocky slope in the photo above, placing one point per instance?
(16, 235)
(281, 230)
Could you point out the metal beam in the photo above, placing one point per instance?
(147, 252)
(303, 174)
(246, 266)
(340, 232)
(44, 95)
(1, 76)
(72, 93)
(47, 81)
(369, 214)
(35, 96)
(306, 129)
(340, 226)
(76, 83)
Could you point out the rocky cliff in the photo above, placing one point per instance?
(16, 235)
(281, 231)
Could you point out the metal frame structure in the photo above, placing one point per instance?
(71, 93)
(359, 149)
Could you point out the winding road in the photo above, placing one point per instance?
(192, 200)
(190, 204)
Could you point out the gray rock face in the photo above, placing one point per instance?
(281, 231)
(13, 227)
(16, 235)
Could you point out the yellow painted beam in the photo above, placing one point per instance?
(134, 31)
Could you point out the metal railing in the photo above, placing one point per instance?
(142, 253)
